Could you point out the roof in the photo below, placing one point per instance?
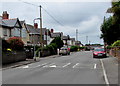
(73, 39)
(10, 22)
(66, 37)
(57, 34)
(22, 22)
(32, 30)
(43, 30)
(78, 42)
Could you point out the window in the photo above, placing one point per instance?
(4, 32)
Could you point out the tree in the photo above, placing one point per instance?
(59, 43)
(111, 26)
(107, 31)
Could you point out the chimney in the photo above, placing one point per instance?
(35, 25)
(5, 15)
(52, 30)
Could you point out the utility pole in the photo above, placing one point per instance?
(41, 41)
(76, 34)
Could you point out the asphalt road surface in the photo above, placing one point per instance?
(77, 68)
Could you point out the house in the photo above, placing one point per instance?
(44, 38)
(25, 35)
(78, 43)
(71, 42)
(66, 40)
(33, 37)
(55, 34)
(9, 27)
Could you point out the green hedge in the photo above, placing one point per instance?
(52, 48)
(76, 48)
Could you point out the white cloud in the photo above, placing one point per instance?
(86, 17)
(89, 25)
(59, 0)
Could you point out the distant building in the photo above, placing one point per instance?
(78, 43)
(71, 41)
(66, 40)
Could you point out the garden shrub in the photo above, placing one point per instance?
(16, 43)
(116, 43)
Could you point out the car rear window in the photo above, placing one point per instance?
(99, 50)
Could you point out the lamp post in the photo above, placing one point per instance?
(34, 39)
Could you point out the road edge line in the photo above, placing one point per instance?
(104, 73)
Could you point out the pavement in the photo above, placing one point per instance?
(111, 65)
(27, 61)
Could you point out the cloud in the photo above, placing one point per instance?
(84, 16)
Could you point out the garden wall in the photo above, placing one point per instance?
(11, 57)
(115, 53)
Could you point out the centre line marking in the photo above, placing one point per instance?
(66, 64)
(95, 66)
(75, 65)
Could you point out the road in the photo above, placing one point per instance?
(77, 68)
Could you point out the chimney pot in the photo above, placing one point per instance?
(52, 30)
(5, 15)
(35, 25)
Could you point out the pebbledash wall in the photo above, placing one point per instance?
(115, 53)
(11, 57)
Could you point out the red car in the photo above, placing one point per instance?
(99, 52)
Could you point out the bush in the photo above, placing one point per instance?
(109, 47)
(116, 43)
(5, 45)
(52, 48)
(74, 48)
(16, 43)
(82, 47)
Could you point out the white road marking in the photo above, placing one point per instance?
(95, 66)
(53, 66)
(48, 65)
(104, 73)
(66, 65)
(26, 66)
(75, 65)
(41, 65)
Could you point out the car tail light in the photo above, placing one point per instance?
(95, 53)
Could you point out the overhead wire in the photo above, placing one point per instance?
(45, 11)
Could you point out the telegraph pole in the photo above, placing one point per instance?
(76, 34)
(41, 41)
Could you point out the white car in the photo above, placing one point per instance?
(64, 51)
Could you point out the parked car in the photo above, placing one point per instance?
(99, 52)
(64, 51)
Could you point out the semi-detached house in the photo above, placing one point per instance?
(9, 27)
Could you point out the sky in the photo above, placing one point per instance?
(87, 17)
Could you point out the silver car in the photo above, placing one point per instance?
(64, 51)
